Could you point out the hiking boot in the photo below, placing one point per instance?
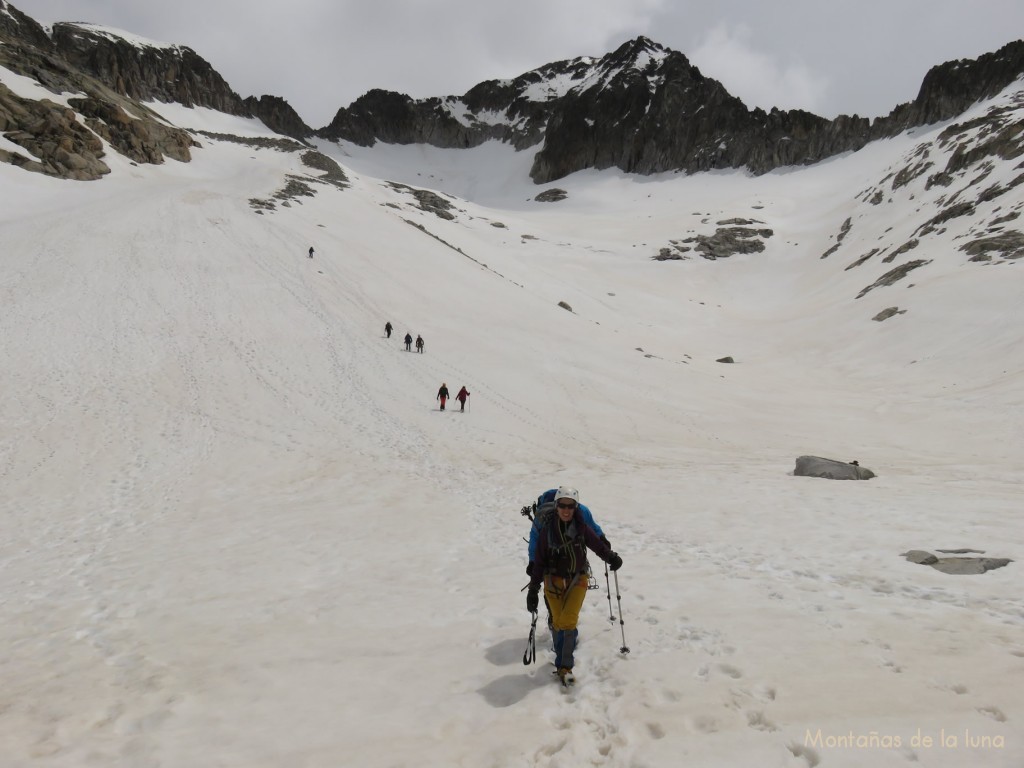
(566, 676)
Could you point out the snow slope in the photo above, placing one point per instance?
(240, 533)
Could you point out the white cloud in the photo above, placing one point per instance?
(761, 79)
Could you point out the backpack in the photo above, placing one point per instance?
(541, 510)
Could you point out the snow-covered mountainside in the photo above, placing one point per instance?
(240, 532)
(641, 108)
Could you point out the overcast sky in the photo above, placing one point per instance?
(826, 56)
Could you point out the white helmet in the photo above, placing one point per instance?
(565, 492)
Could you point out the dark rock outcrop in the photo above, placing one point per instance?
(950, 88)
(1008, 245)
(894, 275)
(552, 195)
(428, 201)
(65, 141)
(888, 312)
(145, 141)
(729, 241)
(956, 566)
(394, 118)
(815, 466)
(55, 143)
(16, 26)
(169, 73)
(278, 115)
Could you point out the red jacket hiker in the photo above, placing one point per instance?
(461, 397)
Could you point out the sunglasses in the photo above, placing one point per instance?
(566, 505)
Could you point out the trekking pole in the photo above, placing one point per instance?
(618, 597)
(608, 586)
(530, 654)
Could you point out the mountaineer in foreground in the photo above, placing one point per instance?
(560, 561)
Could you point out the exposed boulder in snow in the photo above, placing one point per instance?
(729, 241)
(551, 195)
(674, 253)
(428, 201)
(888, 312)
(142, 140)
(55, 143)
(894, 275)
(957, 566)
(1008, 245)
(844, 230)
(815, 466)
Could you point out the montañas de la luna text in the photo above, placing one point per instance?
(944, 739)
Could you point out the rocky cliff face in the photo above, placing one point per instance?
(515, 111)
(645, 109)
(950, 88)
(63, 136)
(166, 73)
(146, 72)
(278, 115)
(15, 25)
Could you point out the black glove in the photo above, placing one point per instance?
(614, 562)
(604, 540)
(532, 599)
(529, 568)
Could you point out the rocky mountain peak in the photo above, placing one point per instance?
(638, 51)
(645, 108)
(16, 26)
(949, 88)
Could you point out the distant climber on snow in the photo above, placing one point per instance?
(442, 395)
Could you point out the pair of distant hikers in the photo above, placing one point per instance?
(408, 342)
(563, 530)
(443, 395)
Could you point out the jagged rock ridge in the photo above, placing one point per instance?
(116, 74)
(645, 109)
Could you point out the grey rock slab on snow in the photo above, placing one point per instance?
(815, 466)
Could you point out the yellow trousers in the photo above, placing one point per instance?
(565, 604)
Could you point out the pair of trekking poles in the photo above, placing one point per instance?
(530, 654)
